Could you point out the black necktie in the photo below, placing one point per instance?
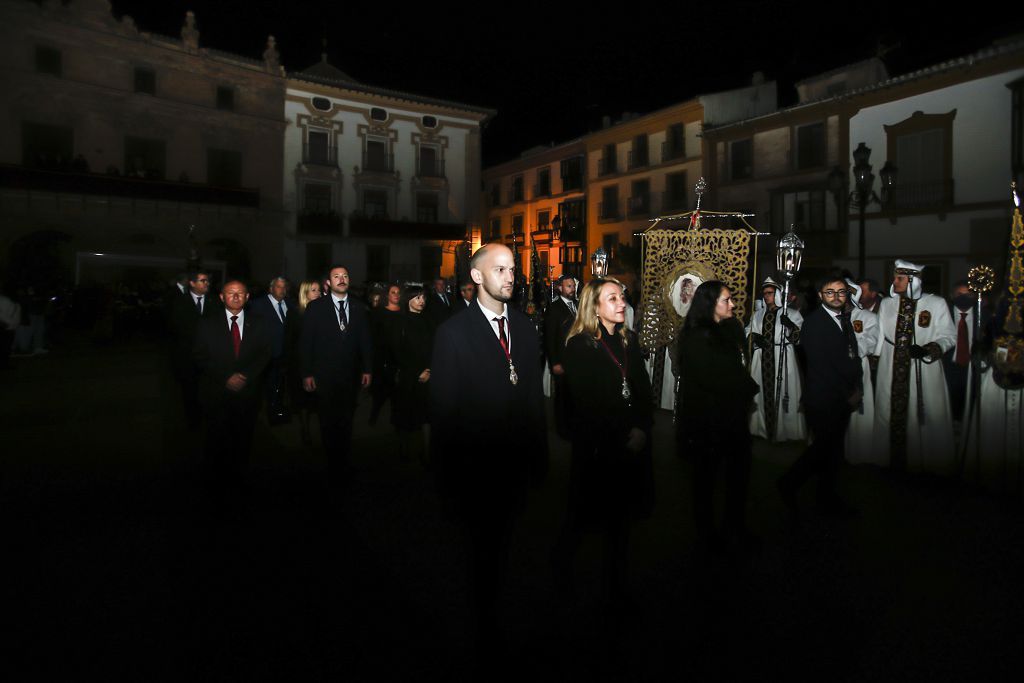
(280, 307)
(199, 304)
(342, 316)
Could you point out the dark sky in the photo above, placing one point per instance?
(552, 72)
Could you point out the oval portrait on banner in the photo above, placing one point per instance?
(680, 286)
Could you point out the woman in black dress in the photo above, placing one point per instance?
(384, 321)
(412, 347)
(714, 399)
(611, 413)
(303, 402)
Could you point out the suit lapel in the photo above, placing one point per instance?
(487, 340)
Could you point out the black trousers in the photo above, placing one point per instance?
(713, 449)
(822, 457)
(228, 442)
(336, 405)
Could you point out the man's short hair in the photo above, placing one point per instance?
(565, 276)
(334, 266)
(193, 275)
(474, 260)
(234, 281)
(274, 279)
(829, 278)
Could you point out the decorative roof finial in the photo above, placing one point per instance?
(271, 57)
(323, 53)
(189, 33)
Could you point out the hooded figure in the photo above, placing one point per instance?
(913, 422)
(860, 433)
(773, 366)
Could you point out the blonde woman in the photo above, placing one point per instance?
(303, 402)
(611, 414)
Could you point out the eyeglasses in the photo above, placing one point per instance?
(841, 293)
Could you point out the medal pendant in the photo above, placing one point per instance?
(342, 325)
(625, 390)
(512, 376)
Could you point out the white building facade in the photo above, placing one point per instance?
(385, 182)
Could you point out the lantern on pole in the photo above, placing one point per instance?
(599, 263)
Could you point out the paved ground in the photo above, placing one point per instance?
(118, 574)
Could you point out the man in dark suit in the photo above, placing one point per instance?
(558, 318)
(439, 304)
(833, 389)
(185, 313)
(957, 361)
(231, 351)
(467, 296)
(274, 308)
(336, 356)
(487, 422)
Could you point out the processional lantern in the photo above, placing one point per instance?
(599, 263)
(789, 255)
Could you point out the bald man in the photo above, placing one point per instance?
(488, 432)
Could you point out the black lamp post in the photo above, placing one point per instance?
(863, 194)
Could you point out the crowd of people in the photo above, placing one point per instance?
(860, 376)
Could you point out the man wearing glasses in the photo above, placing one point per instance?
(833, 390)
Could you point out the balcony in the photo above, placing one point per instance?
(430, 168)
(606, 166)
(639, 205)
(637, 158)
(607, 211)
(671, 151)
(378, 163)
(921, 196)
(46, 180)
(542, 190)
(318, 223)
(319, 155)
(672, 202)
(383, 228)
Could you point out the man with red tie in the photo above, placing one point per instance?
(957, 361)
(232, 352)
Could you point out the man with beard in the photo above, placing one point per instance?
(557, 320)
(913, 424)
(336, 358)
(488, 429)
(833, 390)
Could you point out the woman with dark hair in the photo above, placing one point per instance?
(384, 323)
(303, 402)
(611, 413)
(412, 347)
(714, 399)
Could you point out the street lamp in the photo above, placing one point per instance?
(863, 194)
(599, 263)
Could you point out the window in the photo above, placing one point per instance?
(318, 258)
(316, 198)
(225, 98)
(1017, 130)
(376, 157)
(45, 146)
(375, 203)
(921, 147)
(609, 241)
(426, 207)
(517, 224)
(48, 61)
(805, 209)
(609, 207)
(543, 182)
(675, 143)
(321, 104)
(378, 114)
(378, 262)
(675, 192)
(516, 195)
(430, 262)
(145, 80)
(572, 216)
(495, 228)
(608, 163)
(638, 155)
(430, 165)
(572, 174)
(544, 220)
(810, 146)
(640, 201)
(224, 167)
(144, 158)
(741, 159)
(318, 150)
(430, 122)
(495, 194)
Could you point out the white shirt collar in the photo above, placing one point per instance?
(338, 299)
(489, 314)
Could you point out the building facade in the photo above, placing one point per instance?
(117, 145)
(383, 181)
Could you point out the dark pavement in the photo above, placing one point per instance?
(116, 572)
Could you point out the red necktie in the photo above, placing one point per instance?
(963, 350)
(502, 339)
(236, 335)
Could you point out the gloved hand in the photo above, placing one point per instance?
(760, 341)
(918, 352)
(787, 323)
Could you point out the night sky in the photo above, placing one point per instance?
(552, 72)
